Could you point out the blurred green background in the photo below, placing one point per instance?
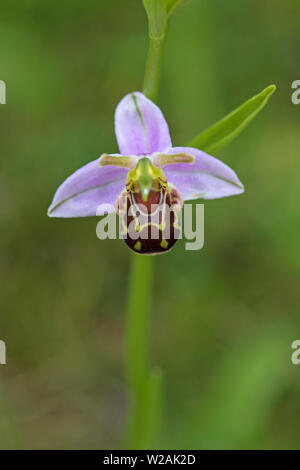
(223, 318)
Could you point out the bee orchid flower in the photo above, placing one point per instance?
(147, 171)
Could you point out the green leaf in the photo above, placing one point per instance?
(157, 17)
(224, 131)
(172, 5)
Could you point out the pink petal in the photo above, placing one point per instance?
(140, 126)
(207, 178)
(82, 192)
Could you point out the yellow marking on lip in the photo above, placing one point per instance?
(164, 244)
(138, 246)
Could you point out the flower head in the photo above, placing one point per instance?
(147, 169)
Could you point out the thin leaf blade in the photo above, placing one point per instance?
(172, 5)
(220, 134)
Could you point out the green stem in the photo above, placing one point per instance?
(153, 66)
(140, 285)
(138, 364)
(144, 383)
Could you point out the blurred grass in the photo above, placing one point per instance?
(224, 317)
